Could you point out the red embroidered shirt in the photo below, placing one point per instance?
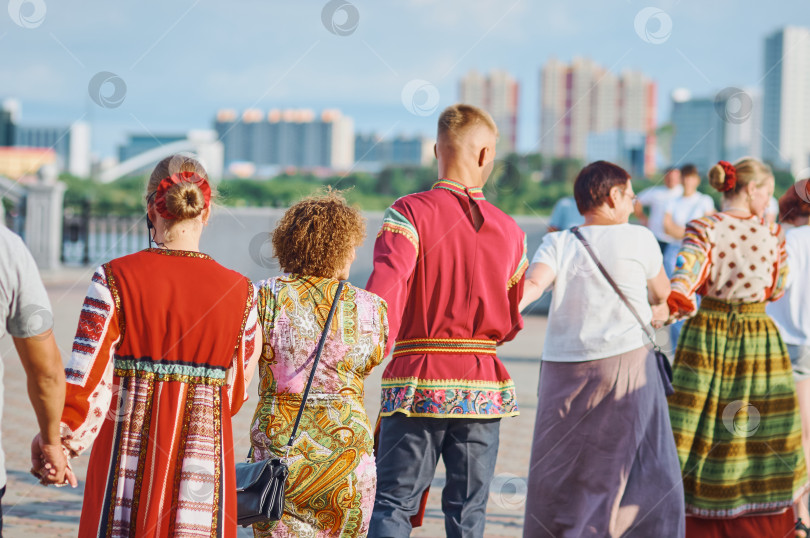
(452, 290)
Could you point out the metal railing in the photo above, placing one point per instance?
(93, 239)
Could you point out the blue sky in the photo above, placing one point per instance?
(181, 60)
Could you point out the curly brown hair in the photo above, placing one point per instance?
(317, 235)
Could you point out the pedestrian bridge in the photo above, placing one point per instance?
(204, 144)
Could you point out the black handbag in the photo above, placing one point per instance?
(664, 368)
(260, 485)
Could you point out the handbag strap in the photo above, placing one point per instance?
(644, 327)
(315, 362)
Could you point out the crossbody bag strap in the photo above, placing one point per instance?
(321, 343)
(644, 327)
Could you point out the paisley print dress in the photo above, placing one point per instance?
(332, 482)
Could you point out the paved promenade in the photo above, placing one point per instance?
(32, 510)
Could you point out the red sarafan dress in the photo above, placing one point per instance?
(157, 370)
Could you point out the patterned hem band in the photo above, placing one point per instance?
(717, 305)
(419, 346)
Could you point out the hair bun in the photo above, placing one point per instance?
(182, 196)
(185, 200)
(723, 176)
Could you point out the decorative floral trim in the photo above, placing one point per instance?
(396, 222)
(112, 284)
(180, 378)
(418, 346)
(444, 398)
(111, 493)
(144, 441)
(251, 302)
(523, 264)
(181, 253)
(775, 507)
(217, 464)
(476, 193)
(131, 365)
(181, 455)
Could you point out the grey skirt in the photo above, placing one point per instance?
(603, 459)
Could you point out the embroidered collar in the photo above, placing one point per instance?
(476, 193)
(183, 253)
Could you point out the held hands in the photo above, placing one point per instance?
(50, 464)
(660, 315)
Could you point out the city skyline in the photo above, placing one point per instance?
(364, 63)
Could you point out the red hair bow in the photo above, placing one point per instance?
(180, 177)
(731, 175)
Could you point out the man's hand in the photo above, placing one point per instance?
(50, 465)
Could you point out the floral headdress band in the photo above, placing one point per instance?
(731, 176)
(179, 177)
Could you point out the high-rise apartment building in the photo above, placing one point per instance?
(582, 98)
(287, 138)
(497, 93)
(699, 132)
(743, 108)
(8, 121)
(373, 151)
(786, 99)
(70, 143)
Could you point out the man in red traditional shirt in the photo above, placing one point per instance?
(450, 265)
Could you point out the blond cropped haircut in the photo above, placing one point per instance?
(456, 119)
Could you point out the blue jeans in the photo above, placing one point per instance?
(409, 449)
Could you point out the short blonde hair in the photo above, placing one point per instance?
(749, 170)
(316, 236)
(456, 119)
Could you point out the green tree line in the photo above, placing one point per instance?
(518, 185)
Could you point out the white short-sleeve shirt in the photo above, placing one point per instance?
(587, 319)
(791, 313)
(685, 208)
(656, 198)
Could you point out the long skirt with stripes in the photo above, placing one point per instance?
(735, 415)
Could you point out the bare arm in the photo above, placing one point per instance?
(638, 210)
(539, 277)
(254, 359)
(46, 382)
(46, 389)
(672, 229)
(658, 288)
(657, 293)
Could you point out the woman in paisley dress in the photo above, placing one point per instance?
(332, 481)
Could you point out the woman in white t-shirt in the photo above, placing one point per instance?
(791, 313)
(603, 456)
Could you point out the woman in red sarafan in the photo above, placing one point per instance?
(162, 358)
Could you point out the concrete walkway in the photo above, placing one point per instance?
(31, 510)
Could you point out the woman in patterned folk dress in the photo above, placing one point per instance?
(330, 490)
(734, 412)
(160, 362)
